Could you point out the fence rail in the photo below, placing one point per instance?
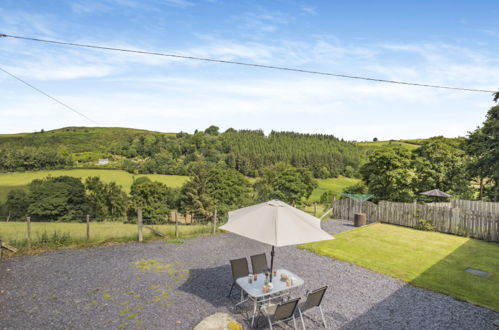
(459, 217)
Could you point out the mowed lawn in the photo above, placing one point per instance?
(20, 180)
(428, 260)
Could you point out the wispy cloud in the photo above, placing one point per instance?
(170, 94)
(260, 22)
(309, 10)
(19, 21)
(104, 6)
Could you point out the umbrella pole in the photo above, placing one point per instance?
(271, 263)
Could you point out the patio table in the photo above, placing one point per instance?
(254, 289)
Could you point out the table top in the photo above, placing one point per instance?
(254, 289)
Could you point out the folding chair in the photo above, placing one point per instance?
(312, 300)
(282, 312)
(259, 263)
(239, 269)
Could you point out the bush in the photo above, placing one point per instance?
(327, 197)
(358, 188)
(426, 225)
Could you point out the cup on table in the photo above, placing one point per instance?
(275, 273)
(264, 289)
(255, 277)
(250, 278)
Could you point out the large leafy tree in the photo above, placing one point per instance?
(59, 198)
(211, 188)
(483, 146)
(116, 200)
(106, 200)
(195, 196)
(441, 166)
(155, 199)
(96, 197)
(229, 189)
(286, 183)
(16, 204)
(389, 174)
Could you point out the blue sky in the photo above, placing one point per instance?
(436, 42)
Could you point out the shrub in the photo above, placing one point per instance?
(426, 225)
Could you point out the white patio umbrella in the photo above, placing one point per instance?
(275, 223)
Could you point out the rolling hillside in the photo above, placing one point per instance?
(159, 155)
(77, 139)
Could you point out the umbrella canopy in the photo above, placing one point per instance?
(436, 193)
(275, 223)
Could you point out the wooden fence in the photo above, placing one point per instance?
(459, 217)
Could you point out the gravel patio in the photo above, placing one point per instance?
(174, 286)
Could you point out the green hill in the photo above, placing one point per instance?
(77, 139)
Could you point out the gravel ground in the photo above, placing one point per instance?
(101, 287)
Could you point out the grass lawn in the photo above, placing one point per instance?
(335, 184)
(20, 180)
(429, 260)
(74, 234)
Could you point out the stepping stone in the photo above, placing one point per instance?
(477, 272)
(218, 321)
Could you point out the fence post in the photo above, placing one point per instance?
(139, 220)
(215, 222)
(176, 224)
(88, 227)
(1, 249)
(28, 231)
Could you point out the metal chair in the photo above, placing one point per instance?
(259, 263)
(282, 312)
(312, 300)
(239, 269)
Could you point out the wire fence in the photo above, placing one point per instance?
(27, 236)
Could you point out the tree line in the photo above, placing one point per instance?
(468, 171)
(247, 151)
(209, 188)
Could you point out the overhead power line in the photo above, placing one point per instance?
(248, 64)
(51, 97)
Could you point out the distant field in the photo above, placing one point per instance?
(335, 184)
(20, 180)
(379, 144)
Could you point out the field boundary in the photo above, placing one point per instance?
(459, 217)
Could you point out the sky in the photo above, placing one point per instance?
(453, 43)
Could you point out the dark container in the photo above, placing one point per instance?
(360, 219)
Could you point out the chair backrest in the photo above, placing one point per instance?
(259, 263)
(314, 298)
(285, 310)
(239, 268)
